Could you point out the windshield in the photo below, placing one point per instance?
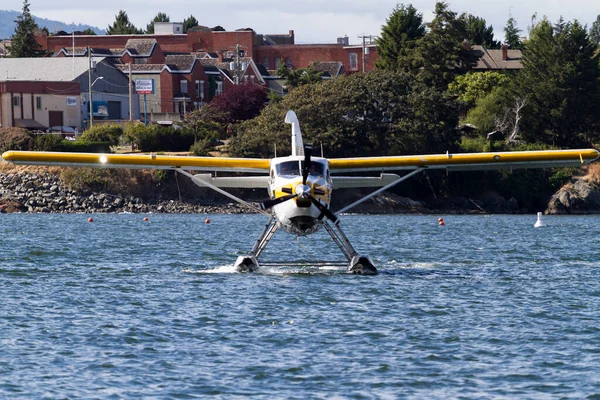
(294, 168)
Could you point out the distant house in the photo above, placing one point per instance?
(502, 59)
(38, 93)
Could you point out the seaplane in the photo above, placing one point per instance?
(300, 186)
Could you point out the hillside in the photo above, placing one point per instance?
(8, 17)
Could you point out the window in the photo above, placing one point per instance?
(353, 61)
(266, 62)
(140, 61)
(38, 102)
(16, 101)
(200, 90)
(277, 63)
(288, 62)
(219, 88)
(183, 86)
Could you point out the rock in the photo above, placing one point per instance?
(579, 197)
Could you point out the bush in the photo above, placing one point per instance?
(159, 138)
(201, 148)
(15, 139)
(103, 133)
(48, 142)
(83, 147)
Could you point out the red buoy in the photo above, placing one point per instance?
(207, 221)
(90, 219)
(145, 219)
(441, 221)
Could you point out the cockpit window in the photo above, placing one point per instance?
(294, 168)
(288, 168)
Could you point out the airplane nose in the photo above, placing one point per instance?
(303, 191)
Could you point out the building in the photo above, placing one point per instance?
(38, 93)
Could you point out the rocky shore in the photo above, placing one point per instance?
(45, 193)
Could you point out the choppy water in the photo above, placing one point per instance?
(485, 307)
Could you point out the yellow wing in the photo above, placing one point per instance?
(138, 161)
(468, 161)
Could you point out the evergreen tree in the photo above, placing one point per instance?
(88, 31)
(189, 22)
(560, 82)
(479, 33)
(398, 37)
(23, 42)
(160, 17)
(595, 31)
(122, 26)
(440, 55)
(511, 35)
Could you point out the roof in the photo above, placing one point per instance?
(180, 62)
(140, 47)
(328, 68)
(491, 59)
(46, 69)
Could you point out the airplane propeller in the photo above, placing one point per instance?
(304, 191)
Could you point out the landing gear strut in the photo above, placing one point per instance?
(358, 264)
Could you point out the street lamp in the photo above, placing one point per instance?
(90, 100)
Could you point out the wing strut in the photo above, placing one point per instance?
(201, 182)
(386, 187)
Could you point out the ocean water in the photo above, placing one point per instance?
(483, 307)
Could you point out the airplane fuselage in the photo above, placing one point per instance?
(299, 215)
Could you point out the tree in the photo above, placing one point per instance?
(88, 31)
(240, 102)
(160, 17)
(206, 124)
(479, 33)
(23, 42)
(560, 82)
(375, 113)
(595, 31)
(440, 55)
(399, 35)
(511, 35)
(189, 22)
(472, 86)
(301, 76)
(122, 26)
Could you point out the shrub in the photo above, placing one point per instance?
(159, 138)
(103, 133)
(15, 139)
(84, 147)
(49, 142)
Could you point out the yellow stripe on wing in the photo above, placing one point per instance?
(137, 161)
(469, 161)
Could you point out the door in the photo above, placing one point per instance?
(55, 118)
(114, 110)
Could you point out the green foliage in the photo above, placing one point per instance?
(160, 17)
(189, 23)
(479, 33)
(440, 55)
(88, 31)
(23, 42)
(122, 26)
(206, 124)
(301, 76)
(49, 142)
(84, 147)
(488, 109)
(159, 138)
(376, 113)
(399, 35)
(560, 82)
(102, 133)
(201, 147)
(512, 35)
(475, 85)
(15, 139)
(474, 145)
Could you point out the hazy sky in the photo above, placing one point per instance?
(312, 21)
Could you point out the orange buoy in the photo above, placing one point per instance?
(207, 221)
(441, 221)
(145, 219)
(90, 219)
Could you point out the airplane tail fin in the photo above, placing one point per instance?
(297, 145)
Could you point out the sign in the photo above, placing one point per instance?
(144, 86)
(71, 101)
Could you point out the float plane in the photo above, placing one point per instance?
(300, 186)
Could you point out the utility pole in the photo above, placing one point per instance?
(130, 95)
(237, 64)
(89, 50)
(365, 50)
